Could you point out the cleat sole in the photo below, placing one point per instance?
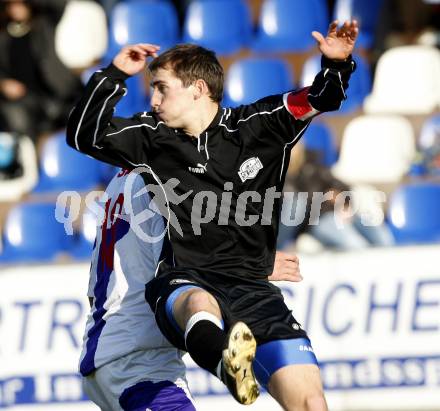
(237, 360)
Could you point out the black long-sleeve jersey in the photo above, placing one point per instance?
(232, 170)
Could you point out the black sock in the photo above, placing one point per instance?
(205, 343)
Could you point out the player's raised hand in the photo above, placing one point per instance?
(286, 268)
(339, 43)
(133, 58)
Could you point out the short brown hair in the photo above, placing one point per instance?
(189, 63)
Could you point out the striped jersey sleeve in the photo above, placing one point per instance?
(93, 130)
(291, 112)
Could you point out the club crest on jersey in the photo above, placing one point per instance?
(250, 168)
(180, 281)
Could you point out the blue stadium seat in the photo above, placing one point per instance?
(31, 233)
(359, 86)
(286, 25)
(63, 168)
(413, 213)
(429, 149)
(107, 172)
(365, 12)
(223, 26)
(430, 133)
(250, 79)
(140, 21)
(136, 99)
(83, 242)
(319, 138)
(143, 21)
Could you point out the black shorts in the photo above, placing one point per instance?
(258, 303)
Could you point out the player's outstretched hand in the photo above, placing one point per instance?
(132, 59)
(339, 43)
(286, 268)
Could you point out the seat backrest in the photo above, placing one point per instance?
(318, 137)
(83, 241)
(286, 25)
(107, 172)
(136, 99)
(413, 213)
(429, 147)
(12, 189)
(81, 36)
(223, 26)
(375, 149)
(359, 85)
(365, 12)
(250, 79)
(407, 81)
(143, 21)
(31, 233)
(63, 168)
(430, 133)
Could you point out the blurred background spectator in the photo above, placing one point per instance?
(334, 223)
(36, 90)
(403, 22)
(9, 164)
(428, 159)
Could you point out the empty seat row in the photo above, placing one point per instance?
(376, 149)
(381, 149)
(225, 25)
(32, 234)
(413, 213)
(62, 168)
(407, 81)
(82, 36)
(221, 25)
(366, 12)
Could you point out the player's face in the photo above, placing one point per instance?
(171, 100)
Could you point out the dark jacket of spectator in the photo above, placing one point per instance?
(29, 57)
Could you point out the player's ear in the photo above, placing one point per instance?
(200, 88)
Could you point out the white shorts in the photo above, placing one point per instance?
(143, 380)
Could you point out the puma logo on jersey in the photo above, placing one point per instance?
(200, 169)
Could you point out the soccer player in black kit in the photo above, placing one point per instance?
(211, 296)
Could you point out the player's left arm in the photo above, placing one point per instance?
(286, 268)
(329, 86)
(287, 116)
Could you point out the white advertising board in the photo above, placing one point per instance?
(373, 318)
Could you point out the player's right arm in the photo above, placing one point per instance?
(286, 268)
(92, 129)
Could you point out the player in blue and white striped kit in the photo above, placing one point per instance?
(126, 362)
